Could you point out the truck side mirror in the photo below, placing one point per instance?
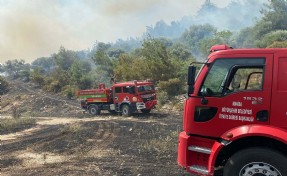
(190, 79)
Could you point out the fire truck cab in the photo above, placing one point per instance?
(235, 117)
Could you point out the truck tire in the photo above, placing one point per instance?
(256, 161)
(145, 111)
(126, 110)
(94, 110)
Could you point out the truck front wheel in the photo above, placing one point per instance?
(255, 162)
(126, 110)
(94, 110)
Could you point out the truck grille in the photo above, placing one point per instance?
(147, 97)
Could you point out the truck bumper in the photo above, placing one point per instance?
(150, 104)
(197, 155)
(140, 105)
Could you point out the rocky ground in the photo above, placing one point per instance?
(65, 141)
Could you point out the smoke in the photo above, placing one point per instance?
(30, 29)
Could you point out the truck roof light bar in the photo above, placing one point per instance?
(219, 47)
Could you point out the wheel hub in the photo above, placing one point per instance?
(259, 169)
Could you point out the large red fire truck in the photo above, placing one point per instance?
(235, 117)
(124, 98)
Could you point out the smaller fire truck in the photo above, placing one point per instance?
(125, 98)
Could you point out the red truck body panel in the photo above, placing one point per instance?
(236, 115)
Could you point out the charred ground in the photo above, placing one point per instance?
(66, 142)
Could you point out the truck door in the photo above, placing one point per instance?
(235, 91)
(279, 91)
(116, 92)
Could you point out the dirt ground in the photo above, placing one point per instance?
(66, 142)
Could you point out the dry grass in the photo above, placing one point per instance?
(8, 125)
(73, 128)
(162, 146)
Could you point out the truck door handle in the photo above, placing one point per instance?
(262, 116)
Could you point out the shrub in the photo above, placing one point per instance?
(69, 91)
(162, 97)
(172, 87)
(4, 86)
(15, 124)
(15, 112)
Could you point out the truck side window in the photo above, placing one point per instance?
(246, 79)
(129, 89)
(118, 89)
(214, 83)
(125, 89)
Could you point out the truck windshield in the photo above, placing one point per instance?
(145, 88)
(216, 77)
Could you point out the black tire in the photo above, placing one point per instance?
(256, 161)
(145, 111)
(126, 110)
(94, 110)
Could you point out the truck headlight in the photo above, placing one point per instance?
(135, 99)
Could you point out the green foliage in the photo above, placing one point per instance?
(47, 63)
(69, 91)
(128, 68)
(15, 67)
(195, 34)
(25, 74)
(64, 58)
(15, 124)
(37, 77)
(245, 38)
(78, 70)
(278, 45)
(221, 37)
(102, 59)
(180, 51)
(162, 97)
(172, 87)
(163, 59)
(85, 82)
(274, 19)
(153, 61)
(276, 13)
(4, 86)
(57, 80)
(270, 38)
(157, 60)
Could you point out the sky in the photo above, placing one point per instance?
(30, 29)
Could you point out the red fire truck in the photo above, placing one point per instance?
(124, 98)
(235, 117)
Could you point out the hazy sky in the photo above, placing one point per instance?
(34, 28)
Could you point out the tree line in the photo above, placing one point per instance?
(163, 60)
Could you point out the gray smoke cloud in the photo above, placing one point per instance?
(30, 29)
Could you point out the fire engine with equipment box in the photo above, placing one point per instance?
(235, 116)
(125, 98)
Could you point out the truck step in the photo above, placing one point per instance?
(199, 169)
(199, 149)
